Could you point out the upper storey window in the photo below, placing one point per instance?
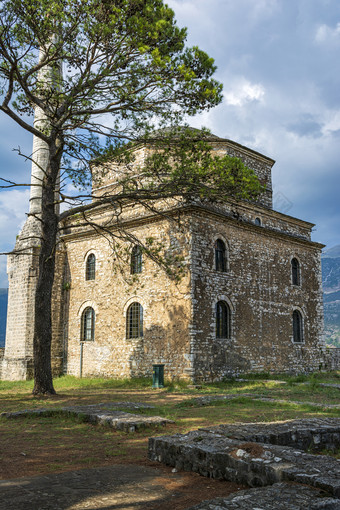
(295, 272)
(136, 260)
(220, 256)
(90, 273)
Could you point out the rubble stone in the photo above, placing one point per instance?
(102, 414)
(280, 496)
(236, 453)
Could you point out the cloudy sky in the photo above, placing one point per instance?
(279, 61)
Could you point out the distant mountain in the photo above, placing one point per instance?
(3, 315)
(331, 274)
(331, 297)
(332, 253)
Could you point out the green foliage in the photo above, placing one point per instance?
(124, 64)
(331, 453)
(176, 385)
(301, 378)
(97, 382)
(16, 386)
(259, 375)
(182, 162)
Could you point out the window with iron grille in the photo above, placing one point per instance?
(297, 327)
(136, 260)
(220, 256)
(295, 272)
(222, 320)
(134, 321)
(87, 325)
(91, 267)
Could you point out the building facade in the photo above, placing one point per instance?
(249, 298)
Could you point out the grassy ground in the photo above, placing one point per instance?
(35, 445)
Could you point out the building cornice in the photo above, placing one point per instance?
(200, 209)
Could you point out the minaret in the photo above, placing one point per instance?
(22, 270)
(22, 263)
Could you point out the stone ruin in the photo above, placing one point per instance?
(280, 461)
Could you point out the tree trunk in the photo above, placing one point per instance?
(43, 383)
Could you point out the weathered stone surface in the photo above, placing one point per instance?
(299, 402)
(328, 385)
(232, 454)
(180, 319)
(22, 277)
(261, 297)
(207, 399)
(280, 496)
(102, 414)
(307, 434)
(331, 357)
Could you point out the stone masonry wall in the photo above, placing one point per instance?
(260, 164)
(22, 275)
(259, 455)
(166, 307)
(179, 320)
(257, 287)
(105, 177)
(259, 291)
(246, 213)
(331, 358)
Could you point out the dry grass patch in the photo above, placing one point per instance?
(42, 444)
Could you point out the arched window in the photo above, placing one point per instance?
(297, 327)
(90, 273)
(87, 325)
(258, 221)
(222, 320)
(136, 260)
(220, 256)
(134, 321)
(295, 272)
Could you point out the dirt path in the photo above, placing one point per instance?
(116, 487)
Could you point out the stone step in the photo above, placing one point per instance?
(101, 414)
(309, 434)
(212, 454)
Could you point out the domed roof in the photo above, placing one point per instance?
(178, 131)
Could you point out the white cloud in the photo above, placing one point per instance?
(327, 34)
(13, 209)
(14, 205)
(332, 123)
(244, 92)
(263, 8)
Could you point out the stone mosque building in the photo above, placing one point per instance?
(249, 300)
